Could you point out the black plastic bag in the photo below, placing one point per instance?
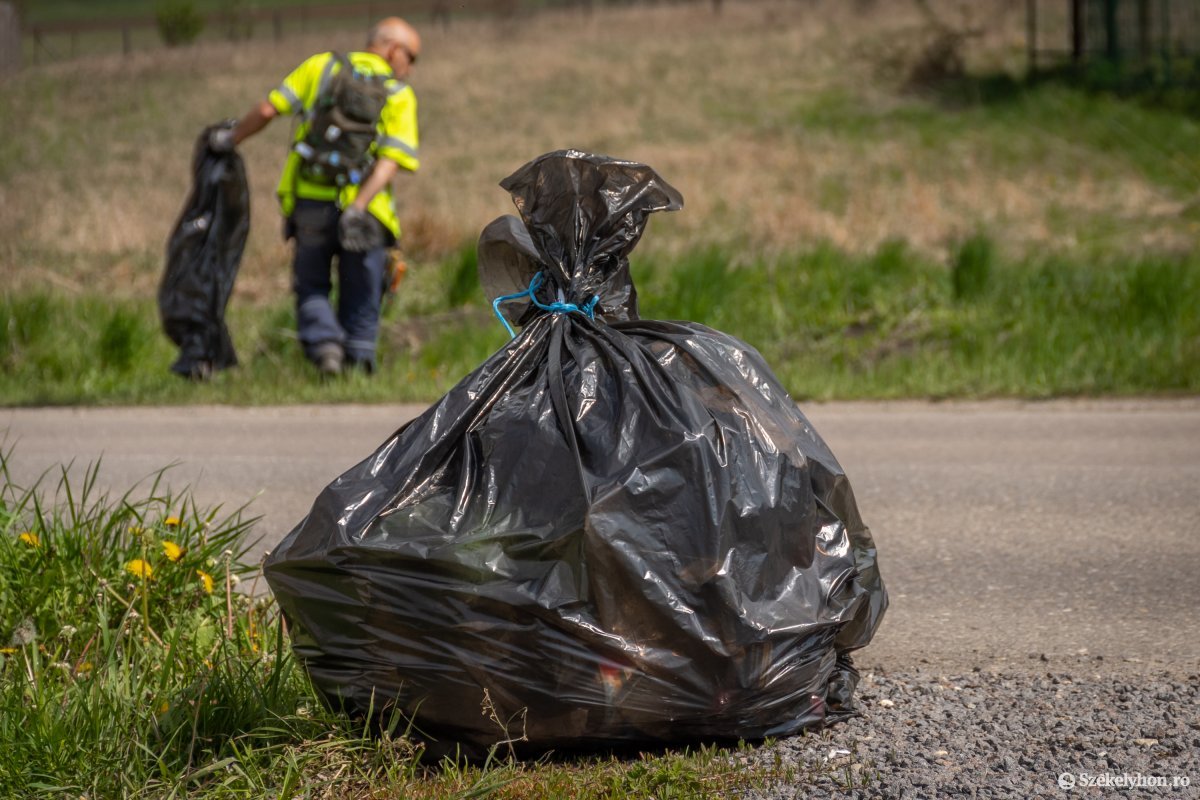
(613, 531)
(203, 255)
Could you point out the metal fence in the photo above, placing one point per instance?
(1141, 30)
(1135, 32)
(55, 41)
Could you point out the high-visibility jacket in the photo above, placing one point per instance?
(396, 139)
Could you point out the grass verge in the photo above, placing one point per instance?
(892, 323)
(781, 123)
(133, 667)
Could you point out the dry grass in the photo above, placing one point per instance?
(94, 169)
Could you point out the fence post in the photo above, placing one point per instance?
(1143, 18)
(441, 13)
(126, 40)
(1078, 33)
(1111, 32)
(1164, 26)
(1031, 10)
(277, 19)
(10, 38)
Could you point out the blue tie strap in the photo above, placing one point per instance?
(558, 307)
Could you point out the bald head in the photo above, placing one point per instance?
(398, 43)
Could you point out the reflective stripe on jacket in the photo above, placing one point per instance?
(396, 139)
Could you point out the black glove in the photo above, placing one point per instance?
(221, 140)
(358, 231)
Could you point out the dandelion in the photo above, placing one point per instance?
(30, 539)
(163, 707)
(7, 651)
(171, 522)
(139, 568)
(206, 581)
(172, 551)
(83, 668)
(68, 631)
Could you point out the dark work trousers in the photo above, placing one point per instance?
(361, 276)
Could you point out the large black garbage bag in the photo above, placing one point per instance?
(203, 255)
(614, 530)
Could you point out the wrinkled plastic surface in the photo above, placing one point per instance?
(613, 531)
(203, 255)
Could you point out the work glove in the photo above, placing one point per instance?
(358, 230)
(221, 140)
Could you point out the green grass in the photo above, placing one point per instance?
(1048, 124)
(833, 325)
(894, 325)
(782, 130)
(132, 667)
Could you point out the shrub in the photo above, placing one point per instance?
(973, 266)
(121, 339)
(178, 21)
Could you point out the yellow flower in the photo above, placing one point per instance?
(8, 651)
(172, 550)
(139, 568)
(171, 522)
(163, 707)
(30, 539)
(206, 580)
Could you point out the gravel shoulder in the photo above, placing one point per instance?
(1066, 730)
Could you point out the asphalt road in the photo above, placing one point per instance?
(1009, 533)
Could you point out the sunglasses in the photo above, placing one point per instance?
(412, 57)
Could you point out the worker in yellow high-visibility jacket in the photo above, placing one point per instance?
(353, 220)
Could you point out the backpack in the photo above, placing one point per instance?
(336, 151)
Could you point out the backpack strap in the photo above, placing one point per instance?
(327, 73)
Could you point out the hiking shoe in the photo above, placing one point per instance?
(197, 370)
(328, 358)
(201, 371)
